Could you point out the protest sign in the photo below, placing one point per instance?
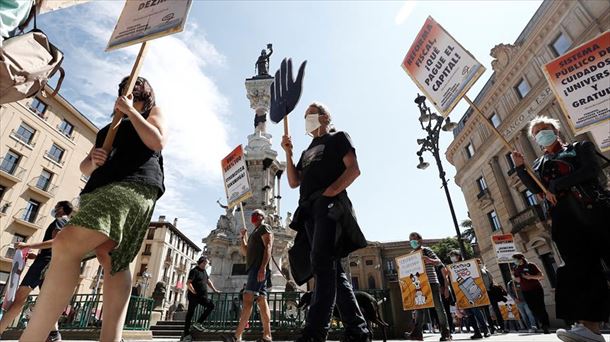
(467, 284)
(440, 66)
(144, 20)
(509, 310)
(235, 175)
(601, 135)
(504, 245)
(414, 284)
(580, 79)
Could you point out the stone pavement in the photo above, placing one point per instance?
(515, 337)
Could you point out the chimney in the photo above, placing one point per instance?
(161, 218)
(175, 222)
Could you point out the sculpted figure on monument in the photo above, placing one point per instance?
(262, 64)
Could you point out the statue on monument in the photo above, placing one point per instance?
(262, 64)
(225, 222)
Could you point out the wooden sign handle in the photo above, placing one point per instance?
(506, 143)
(286, 125)
(116, 118)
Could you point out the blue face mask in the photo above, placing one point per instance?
(546, 137)
(414, 244)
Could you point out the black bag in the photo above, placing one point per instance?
(299, 258)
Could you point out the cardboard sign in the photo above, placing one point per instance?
(580, 80)
(509, 310)
(468, 284)
(441, 67)
(235, 174)
(18, 265)
(414, 284)
(504, 245)
(143, 20)
(601, 135)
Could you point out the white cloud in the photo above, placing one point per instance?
(405, 11)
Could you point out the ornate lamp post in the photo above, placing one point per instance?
(433, 123)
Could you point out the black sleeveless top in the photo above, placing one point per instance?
(129, 161)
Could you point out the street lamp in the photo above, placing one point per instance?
(432, 123)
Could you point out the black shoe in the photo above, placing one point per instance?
(54, 336)
(546, 330)
(476, 337)
(486, 334)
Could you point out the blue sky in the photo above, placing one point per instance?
(354, 50)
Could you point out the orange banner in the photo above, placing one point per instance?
(414, 284)
(468, 284)
(509, 310)
(235, 175)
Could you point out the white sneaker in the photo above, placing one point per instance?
(579, 333)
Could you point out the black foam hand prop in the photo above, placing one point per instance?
(285, 91)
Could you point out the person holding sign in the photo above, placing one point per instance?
(528, 276)
(431, 261)
(578, 201)
(115, 209)
(323, 173)
(257, 248)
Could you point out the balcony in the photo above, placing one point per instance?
(69, 135)
(526, 218)
(484, 198)
(4, 206)
(43, 186)
(22, 139)
(29, 221)
(181, 268)
(54, 159)
(11, 170)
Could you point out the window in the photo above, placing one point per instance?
(147, 249)
(561, 44)
(10, 162)
(83, 264)
(44, 180)
(482, 184)
(66, 128)
(355, 284)
(529, 198)
(493, 221)
(550, 268)
(522, 88)
(239, 269)
(143, 268)
(56, 153)
(151, 234)
(2, 190)
(495, 120)
(369, 262)
(353, 264)
(469, 150)
(25, 133)
(389, 264)
(10, 252)
(31, 211)
(372, 284)
(38, 107)
(509, 161)
(171, 238)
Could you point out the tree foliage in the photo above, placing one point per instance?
(443, 247)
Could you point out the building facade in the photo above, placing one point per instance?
(516, 92)
(42, 142)
(167, 256)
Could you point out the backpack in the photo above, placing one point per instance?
(27, 62)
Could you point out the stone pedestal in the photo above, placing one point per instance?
(156, 316)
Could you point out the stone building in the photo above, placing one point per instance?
(265, 170)
(42, 142)
(515, 93)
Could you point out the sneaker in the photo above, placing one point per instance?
(54, 336)
(446, 338)
(186, 338)
(476, 337)
(486, 334)
(198, 326)
(531, 331)
(579, 334)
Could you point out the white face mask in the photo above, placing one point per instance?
(454, 259)
(312, 122)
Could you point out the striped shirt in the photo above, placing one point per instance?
(430, 268)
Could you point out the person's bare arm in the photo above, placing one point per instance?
(151, 130)
(294, 176)
(93, 160)
(211, 285)
(268, 245)
(352, 171)
(189, 285)
(243, 247)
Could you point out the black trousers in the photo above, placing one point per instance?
(535, 301)
(193, 302)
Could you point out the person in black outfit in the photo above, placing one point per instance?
(323, 173)
(197, 285)
(580, 212)
(33, 278)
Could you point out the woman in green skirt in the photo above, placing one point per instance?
(115, 210)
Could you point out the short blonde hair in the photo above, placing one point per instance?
(541, 119)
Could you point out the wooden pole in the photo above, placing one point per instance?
(286, 125)
(116, 118)
(505, 142)
(243, 216)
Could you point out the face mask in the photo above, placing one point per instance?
(312, 123)
(546, 137)
(414, 244)
(454, 259)
(254, 219)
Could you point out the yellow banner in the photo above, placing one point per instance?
(414, 284)
(509, 310)
(468, 284)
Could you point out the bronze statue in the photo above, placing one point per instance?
(262, 64)
(159, 294)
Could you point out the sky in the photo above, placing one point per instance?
(353, 50)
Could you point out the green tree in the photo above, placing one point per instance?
(443, 247)
(468, 233)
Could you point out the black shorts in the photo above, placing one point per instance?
(33, 278)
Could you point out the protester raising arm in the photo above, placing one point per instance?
(294, 176)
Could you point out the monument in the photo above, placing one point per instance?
(222, 245)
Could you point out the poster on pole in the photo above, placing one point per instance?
(504, 246)
(601, 135)
(19, 260)
(143, 20)
(441, 67)
(236, 179)
(509, 310)
(580, 79)
(467, 284)
(414, 284)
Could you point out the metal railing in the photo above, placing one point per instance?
(30, 216)
(527, 217)
(22, 138)
(44, 184)
(12, 168)
(4, 205)
(85, 312)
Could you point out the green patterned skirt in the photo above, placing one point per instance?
(121, 211)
